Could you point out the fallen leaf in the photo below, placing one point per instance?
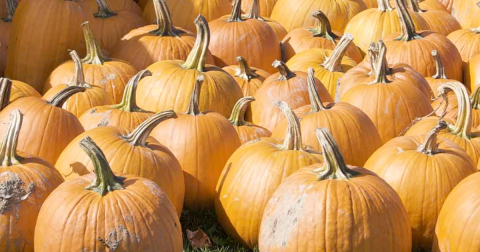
(198, 239)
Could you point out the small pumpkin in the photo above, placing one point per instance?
(5, 27)
(247, 131)
(333, 207)
(248, 78)
(254, 13)
(438, 20)
(131, 213)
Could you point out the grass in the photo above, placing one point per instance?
(207, 221)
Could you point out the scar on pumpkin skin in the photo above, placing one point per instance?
(12, 192)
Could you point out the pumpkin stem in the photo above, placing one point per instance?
(244, 71)
(406, 22)
(254, 11)
(105, 180)
(59, 99)
(474, 99)
(11, 7)
(384, 6)
(334, 164)
(373, 51)
(334, 62)
(381, 66)
(236, 15)
(78, 77)
(237, 118)
(293, 138)
(196, 58)
(164, 20)
(323, 28)
(140, 134)
(283, 70)
(129, 99)
(94, 52)
(5, 90)
(315, 100)
(193, 105)
(476, 30)
(463, 125)
(440, 74)
(430, 146)
(103, 10)
(8, 147)
(415, 6)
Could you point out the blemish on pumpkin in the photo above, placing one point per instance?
(114, 238)
(400, 150)
(12, 192)
(104, 122)
(93, 111)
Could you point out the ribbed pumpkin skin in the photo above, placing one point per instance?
(471, 73)
(249, 178)
(441, 22)
(5, 28)
(184, 12)
(106, 116)
(247, 133)
(138, 218)
(416, 176)
(292, 14)
(362, 214)
(466, 12)
(46, 129)
(248, 87)
(39, 43)
(266, 6)
(467, 43)
(22, 89)
(202, 145)
(18, 223)
(434, 5)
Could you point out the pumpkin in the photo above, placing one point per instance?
(171, 82)
(108, 73)
(329, 65)
(126, 114)
(56, 30)
(471, 73)
(5, 24)
(438, 20)
(253, 39)
(22, 89)
(253, 173)
(354, 131)
(25, 183)
(433, 5)
(254, 13)
(47, 128)
(185, 12)
(247, 131)
(131, 213)
(414, 48)
(334, 207)
(467, 41)
(78, 103)
(418, 168)
(202, 143)
(401, 102)
(292, 14)
(286, 85)
(465, 12)
(320, 36)
(265, 6)
(248, 78)
(440, 77)
(146, 45)
(116, 6)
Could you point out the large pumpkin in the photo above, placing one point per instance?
(252, 174)
(247, 131)
(248, 78)
(131, 213)
(25, 182)
(418, 168)
(334, 207)
(56, 29)
(438, 20)
(5, 27)
(171, 82)
(202, 141)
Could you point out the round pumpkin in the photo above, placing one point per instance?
(22, 89)
(254, 13)
(465, 12)
(333, 207)
(247, 131)
(248, 78)
(5, 27)
(25, 183)
(467, 41)
(131, 213)
(265, 6)
(438, 20)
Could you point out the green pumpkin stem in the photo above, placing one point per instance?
(244, 71)
(105, 180)
(323, 28)
(293, 137)
(5, 90)
(237, 118)
(254, 11)
(463, 125)
(193, 106)
(476, 30)
(94, 52)
(140, 134)
(129, 100)
(315, 100)
(430, 146)
(384, 6)
(334, 62)
(8, 147)
(11, 7)
(78, 77)
(165, 27)
(283, 70)
(440, 74)
(236, 15)
(103, 10)
(406, 22)
(196, 58)
(61, 97)
(381, 69)
(475, 98)
(334, 164)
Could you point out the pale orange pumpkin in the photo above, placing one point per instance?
(433, 5)
(247, 131)
(465, 12)
(248, 78)
(438, 20)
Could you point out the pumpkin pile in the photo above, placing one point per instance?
(296, 125)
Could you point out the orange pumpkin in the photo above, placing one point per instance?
(254, 13)
(320, 36)
(438, 20)
(433, 5)
(252, 174)
(288, 86)
(265, 6)
(22, 89)
(440, 77)
(116, 6)
(131, 213)
(25, 183)
(202, 142)
(247, 131)
(248, 78)
(5, 27)
(472, 73)
(354, 131)
(126, 114)
(171, 82)
(465, 12)
(418, 168)
(334, 207)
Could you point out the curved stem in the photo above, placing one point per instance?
(315, 99)
(334, 166)
(78, 77)
(59, 99)
(164, 20)
(103, 10)
(475, 98)
(237, 118)
(196, 58)
(381, 66)
(193, 105)
(293, 138)
(384, 6)
(254, 11)
(11, 7)
(323, 28)
(244, 71)
(373, 51)
(140, 134)
(236, 15)
(283, 70)
(430, 146)
(94, 52)
(334, 62)
(105, 180)
(5, 90)
(406, 22)
(129, 99)
(440, 74)
(415, 6)
(8, 147)
(463, 125)
(476, 30)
